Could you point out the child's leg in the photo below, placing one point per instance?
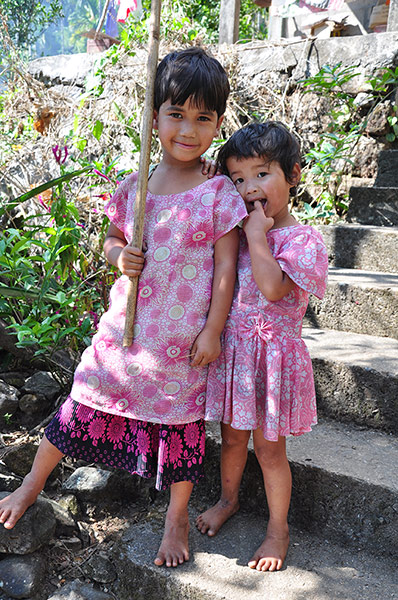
(278, 486)
(174, 547)
(13, 506)
(233, 461)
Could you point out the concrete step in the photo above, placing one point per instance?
(352, 246)
(315, 569)
(357, 301)
(356, 377)
(345, 485)
(387, 169)
(373, 206)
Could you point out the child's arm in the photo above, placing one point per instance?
(129, 260)
(272, 282)
(207, 345)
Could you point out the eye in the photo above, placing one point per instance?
(262, 174)
(203, 118)
(176, 115)
(238, 181)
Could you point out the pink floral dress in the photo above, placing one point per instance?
(152, 380)
(264, 376)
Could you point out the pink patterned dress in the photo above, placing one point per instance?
(264, 377)
(153, 380)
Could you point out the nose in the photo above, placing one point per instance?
(250, 189)
(187, 128)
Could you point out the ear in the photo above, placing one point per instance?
(218, 126)
(155, 122)
(296, 174)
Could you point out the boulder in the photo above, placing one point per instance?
(34, 529)
(8, 399)
(42, 383)
(76, 590)
(22, 576)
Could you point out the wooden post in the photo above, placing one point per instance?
(392, 23)
(228, 32)
(143, 168)
(102, 19)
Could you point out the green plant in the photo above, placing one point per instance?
(53, 282)
(8, 418)
(393, 123)
(26, 20)
(329, 159)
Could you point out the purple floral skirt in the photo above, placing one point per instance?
(171, 453)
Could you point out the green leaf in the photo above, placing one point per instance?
(46, 186)
(97, 129)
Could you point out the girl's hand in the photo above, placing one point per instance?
(257, 221)
(210, 167)
(205, 349)
(131, 261)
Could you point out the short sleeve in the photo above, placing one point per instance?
(305, 259)
(116, 208)
(229, 207)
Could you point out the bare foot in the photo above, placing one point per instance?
(174, 549)
(12, 507)
(212, 520)
(272, 552)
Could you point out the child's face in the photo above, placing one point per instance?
(257, 179)
(187, 131)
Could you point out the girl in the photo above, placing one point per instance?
(263, 381)
(141, 408)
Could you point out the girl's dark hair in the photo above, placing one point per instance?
(192, 73)
(270, 140)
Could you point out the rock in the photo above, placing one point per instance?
(66, 524)
(377, 122)
(34, 529)
(19, 458)
(32, 404)
(80, 591)
(69, 502)
(42, 383)
(72, 543)
(9, 483)
(8, 399)
(90, 484)
(100, 568)
(21, 576)
(15, 379)
(71, 69)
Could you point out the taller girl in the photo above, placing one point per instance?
(141, 408)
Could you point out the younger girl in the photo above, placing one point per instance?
(263, 380)
(141, 408)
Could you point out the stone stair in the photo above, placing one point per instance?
(344, 508)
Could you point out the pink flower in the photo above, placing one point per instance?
(199, 235)
(175, 447)
(162, 452)
(84, 413)
(101, 174)
(148, 290)
(116, 429)
(143, 442)
(174, 349)
(58, 151)
(66, 412)
(191, 434)
(96, 428)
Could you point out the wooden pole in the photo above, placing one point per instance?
(143, 168)
(102, 19)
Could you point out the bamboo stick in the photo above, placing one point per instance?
(143, 168)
